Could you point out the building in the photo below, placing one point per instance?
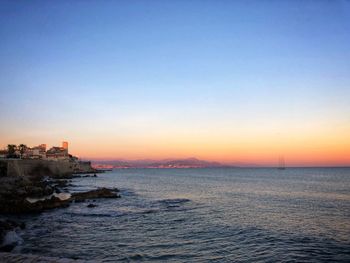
(57, 153)
(65, 146)
(3, 154)
(37, 152)
(42, 147)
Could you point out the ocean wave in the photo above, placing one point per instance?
(12, 239)
(90, 214)
(174, 202)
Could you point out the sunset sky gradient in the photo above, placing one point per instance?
(229, 81)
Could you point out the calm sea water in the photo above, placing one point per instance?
(202, 215)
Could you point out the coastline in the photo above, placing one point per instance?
(34, 186)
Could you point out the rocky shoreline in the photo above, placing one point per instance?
(37, 193)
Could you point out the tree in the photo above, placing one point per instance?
(22, 149)
(11, 151)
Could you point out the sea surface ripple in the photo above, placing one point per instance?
(202, 215)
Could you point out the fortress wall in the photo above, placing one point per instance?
(19, 167)
(85, 167)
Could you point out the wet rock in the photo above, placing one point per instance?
(16, 206)
(53, 202)
(60, 183)
(78, 175)
(22, 225)
(17, 192)
(7, 248)
(7, 230)
(38, 190)
(98, 193)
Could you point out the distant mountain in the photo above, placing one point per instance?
(167, 163)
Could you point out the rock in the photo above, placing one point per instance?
(15, 190)
(22, 225)
(99, 193)
(10, 241)
(91, 205)
(61, 183)
(53, 202)
(8, 236)
(22, 205)
(7, 248)
(17, 194)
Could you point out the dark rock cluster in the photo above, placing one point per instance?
(14, 193)
(15, 190)
(36, 193)
(6, 226)
(98, 193)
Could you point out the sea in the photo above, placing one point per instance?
(202, 215)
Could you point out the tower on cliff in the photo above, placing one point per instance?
(65, 146)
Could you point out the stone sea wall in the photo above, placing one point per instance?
(83, 167)
(20, 167)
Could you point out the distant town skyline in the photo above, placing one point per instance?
(226, 81)
(40, 151)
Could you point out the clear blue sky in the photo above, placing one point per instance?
(134, 70)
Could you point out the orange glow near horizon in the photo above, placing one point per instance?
(304, 150)
(248, 152)
(320, 145)
(171, 79)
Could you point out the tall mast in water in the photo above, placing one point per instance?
(281, 163)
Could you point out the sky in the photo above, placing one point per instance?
(229, 81)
